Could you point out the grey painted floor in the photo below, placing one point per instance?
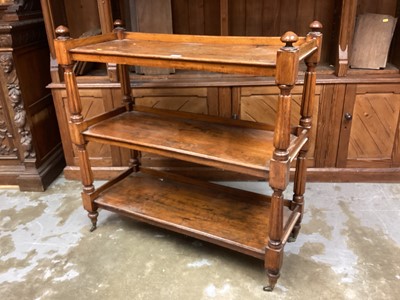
(349, 248)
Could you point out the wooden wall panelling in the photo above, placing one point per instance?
(253, 24)
(180, 15)
(82, 16)
(196, 17)
(146, 22)
(386, 7)
(272, 18)
(224, 17)
(237, 17)
(214, 22)
(328, 13)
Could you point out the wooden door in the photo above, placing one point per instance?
(370, 127)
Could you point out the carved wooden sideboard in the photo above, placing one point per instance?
(30, 149)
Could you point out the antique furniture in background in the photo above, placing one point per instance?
(356, 137)
(31, 155)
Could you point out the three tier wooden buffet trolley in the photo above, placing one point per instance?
(247, 222)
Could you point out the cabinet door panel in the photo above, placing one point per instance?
(259, 104)
(373, 129)
(375, 119)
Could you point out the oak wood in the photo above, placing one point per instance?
(233, 145)
(251, 56)
(207, 211)
(238, 145)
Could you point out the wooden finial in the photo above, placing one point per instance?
(315, 26)
(289, 38)
(118, 24)
(62, 32)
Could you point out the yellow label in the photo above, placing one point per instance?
(385, 20)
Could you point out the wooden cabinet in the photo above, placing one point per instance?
(235, 96)
(30, 146)
(359, 136)
(183, 204)
(370, 127)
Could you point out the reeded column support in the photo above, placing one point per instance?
(77, 125)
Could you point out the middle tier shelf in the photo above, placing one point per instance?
(233, 145)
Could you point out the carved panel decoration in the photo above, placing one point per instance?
(17, 104)
(7, 149)
(31, 155)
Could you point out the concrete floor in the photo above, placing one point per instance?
(348, 249)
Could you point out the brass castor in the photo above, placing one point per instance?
(93, 219)
(268, 288)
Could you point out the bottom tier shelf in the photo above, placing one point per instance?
(232, 218)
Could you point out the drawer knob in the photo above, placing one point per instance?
(348, 116)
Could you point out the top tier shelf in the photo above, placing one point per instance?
(251, 55)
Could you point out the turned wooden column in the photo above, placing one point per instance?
(126, 91)
(306, 111)
(76, 124)
(286, 75)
